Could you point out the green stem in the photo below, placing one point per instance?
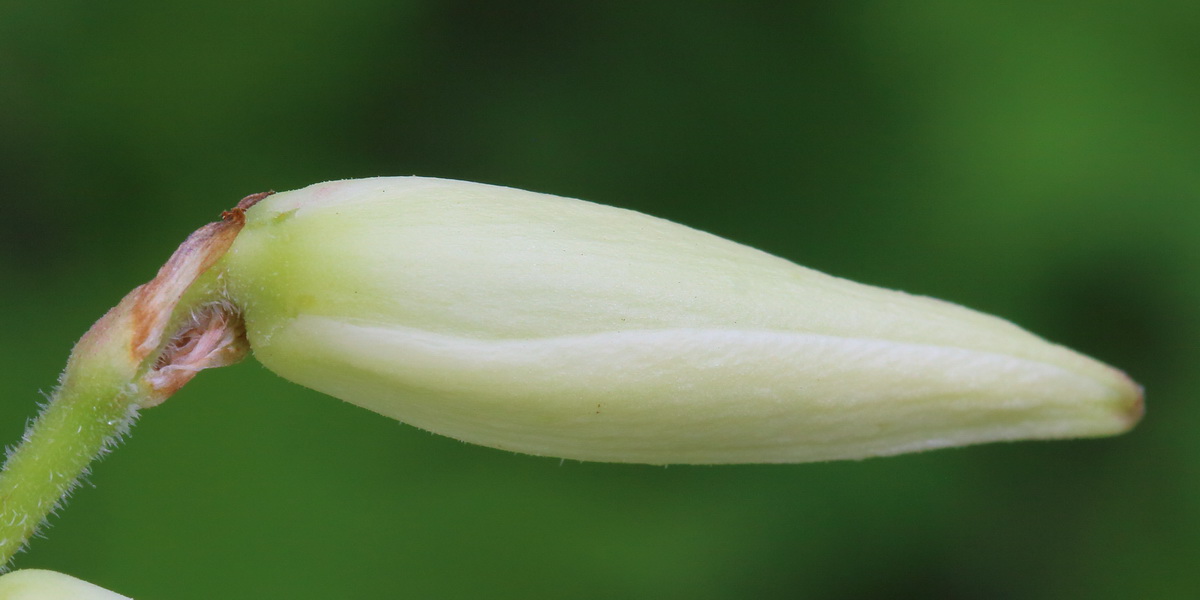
(137, 355)
(81, 421)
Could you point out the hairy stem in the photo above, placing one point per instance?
(81, 421)
(138, 354)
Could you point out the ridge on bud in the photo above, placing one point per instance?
(560, 327)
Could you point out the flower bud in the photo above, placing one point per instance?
(560, 327)
(38, 584)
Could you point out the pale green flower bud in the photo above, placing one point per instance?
(37, 584)
(559, 327)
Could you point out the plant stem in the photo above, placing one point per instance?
(138, 354)
(81, 421)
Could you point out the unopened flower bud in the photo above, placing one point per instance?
(38, 584)
(560, 327)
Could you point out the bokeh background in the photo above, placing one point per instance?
(1033, 160)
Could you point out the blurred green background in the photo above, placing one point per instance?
(1033, 160)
